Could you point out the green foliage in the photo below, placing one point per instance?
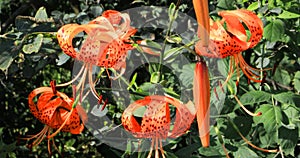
(30, 57)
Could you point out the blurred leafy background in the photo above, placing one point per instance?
(30, 57)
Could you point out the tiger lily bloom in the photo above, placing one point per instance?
(156, 120)
(57, 111)
(233, 39)
(106, 45)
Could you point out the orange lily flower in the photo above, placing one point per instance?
(156, 121)
(56, 111)
(106, 45)
(201, 92)
(233, 40)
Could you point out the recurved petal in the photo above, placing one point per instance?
(128, 120)
(250, 19)
(66, 34)
(185, 114)
(32, 106)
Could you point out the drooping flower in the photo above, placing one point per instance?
(106, 45)
(156, 120)
(201, 92)
(57, 111)
(228, 38)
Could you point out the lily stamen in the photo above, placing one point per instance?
(245, 109)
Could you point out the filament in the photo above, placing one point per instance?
(246, 110)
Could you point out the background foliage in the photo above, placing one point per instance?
(30, 57)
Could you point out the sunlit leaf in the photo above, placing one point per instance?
(253, 6)
(288, 98)
(35, 46)
(292, 112)
(271, 117)
(288, 15)
(296, 81)
(96, 10)
(262, 62)
(62, 58)
(155, 77)
(41, 14)
(172, 12)
(174, 39)
(139, 112)
(132, 82)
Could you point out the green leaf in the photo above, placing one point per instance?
(288, 15)
(132, 82)
(171, 92)
(62, 58)
(6, 59)
(262, 62)
(172, 12)
(41, 14)
(271, 117)
(231, 86)
(174, 39)
(8, 52)
(244, 152)
(267, 139)
(139, 112)
(153, 46)
(96, 10)
(282, 76)
(253, 97)
(187, 74)
(253, 6)
(226, 4)
(171, 54)
(212, 151)
(288, 139)
(35, 46)
(155, 77)
(296, 81)
(292, 114)
(288, 98)
(244, 125)
(274, 30)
